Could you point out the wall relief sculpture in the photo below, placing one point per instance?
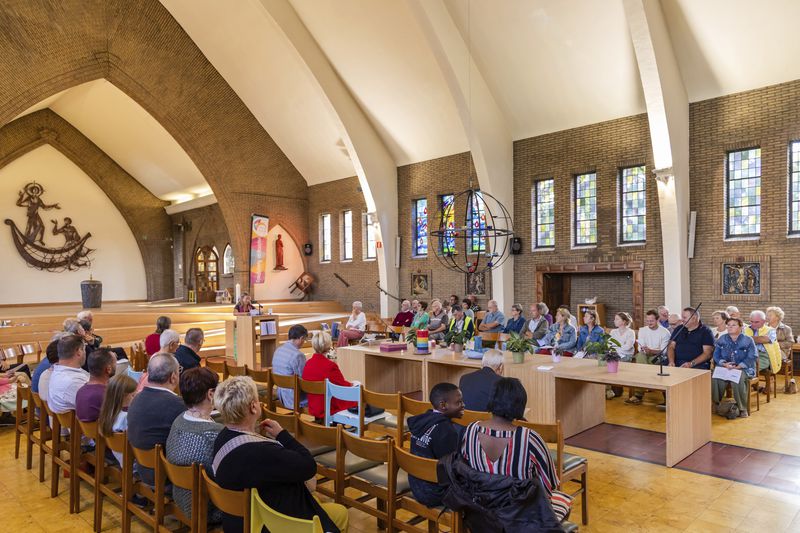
(72, 255)
(741, 278)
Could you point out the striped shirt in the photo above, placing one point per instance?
(525, 456)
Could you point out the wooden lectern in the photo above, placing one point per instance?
(246, 336)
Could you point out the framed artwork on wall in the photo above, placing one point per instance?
(475, 283)
(421, 284)
(743, 278)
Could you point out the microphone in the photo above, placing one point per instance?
(662, 354)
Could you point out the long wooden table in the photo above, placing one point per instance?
(572, 391)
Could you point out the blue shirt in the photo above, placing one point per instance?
(515, 325)
(689, 344)
(43, 365)
(498, 317)
(742, 351)
(664, 323)
(567, 340)
(288, 361)
(584, 335)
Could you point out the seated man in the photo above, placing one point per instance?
(288, 360)
(433, 436)
(67, 376)
(734, 351)
(494, 320)
(461, 322)
(766, 339)
(537, 325)
(405, 316)
(152, 411)
(466, 305)
(477, 386)
(187, 353)
(693, 345)
(102, 365)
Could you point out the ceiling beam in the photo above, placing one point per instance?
(484, 124)
(668, 117)
(373, 163)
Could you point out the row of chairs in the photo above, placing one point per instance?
(15, 354)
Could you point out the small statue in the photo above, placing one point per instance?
(279, 254)
(71, 235)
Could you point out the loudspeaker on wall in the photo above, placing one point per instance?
(308, 248)
(516, 246)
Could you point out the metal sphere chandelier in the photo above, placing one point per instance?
(474, 232)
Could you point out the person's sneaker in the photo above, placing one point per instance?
(610, 394)
(743, 414)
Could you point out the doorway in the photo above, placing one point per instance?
(556, 290)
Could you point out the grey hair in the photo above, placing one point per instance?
(160, 367)
(517, 308)
(194, 336)
(358, 304)
(72, 325)
(85, 315)
(542, 307)
(759, 314)
(168, 336)
(493, 359)
(731, 309)
(777, 310)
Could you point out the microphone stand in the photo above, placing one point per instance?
(674, 335)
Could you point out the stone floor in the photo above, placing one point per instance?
(624, 494)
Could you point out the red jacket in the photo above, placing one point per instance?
(403, 318)
(318, 368)
(152, 343)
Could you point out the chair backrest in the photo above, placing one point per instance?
(419, 467)
(350, 394)
(313, 434)
(472, 416)
(233, 370)
(311, 387)
(285, 382)
(218, 367)
(386, 401)
(370, 449)
(185, 477)
(117, 442)
(288, 421)
(262, 515)
(29, 349)
(232, 502)
(259, 376)
(89, 429)
(551, 434)
(146, 458)
(67, 419)
(408, 407)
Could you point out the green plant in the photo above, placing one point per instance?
(518, 343)
(604, 349)
(455, 337)
(411, 336)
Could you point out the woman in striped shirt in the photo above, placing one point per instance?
(497, 446)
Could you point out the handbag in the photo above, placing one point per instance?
(369, 410)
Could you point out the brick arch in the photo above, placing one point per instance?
(140, 48)
(144, 213)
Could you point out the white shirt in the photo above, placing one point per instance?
(655, 339)
(533, 322)
(359, 322)
(626, 339)
(64, 385)
(44, 384)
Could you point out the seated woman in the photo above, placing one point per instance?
(783, 334)
(624, 335)
(113, 417)
(497, 446)
(438, 321)
(152, 343)
(320, 368)
(265, 457)
(421, 317)
(590, 331)
(192, 435)
(734, 351)
(561, 334)
(720, 320)
(355, 327)
(244, 305)
(405, 316)
(516, 323)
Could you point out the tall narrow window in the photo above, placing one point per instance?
(325, 238)
(794, 187)
(347, 236)
(227, 260)
(633, 205)
(477, 222)
(368, 235)
(586, 209)
(421, 227)
(448, 223)
(744, 193)
(543, 209)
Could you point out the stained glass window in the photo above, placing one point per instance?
(744, 193)
(543, 208)
(227, 260)
(347, 236)
(448, 223)
(421, 227)
(477, 222)
(370, 249)
(325, 237)
(794, 187)
(586, 209)
(633, 204)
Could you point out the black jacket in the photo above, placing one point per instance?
(493, 502)
(186, 357)
(433, 436)
(477, 388)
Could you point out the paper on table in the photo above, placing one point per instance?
(542, 343)
(579, 355)
(544, 368)
(732, 375)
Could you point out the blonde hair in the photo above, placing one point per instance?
(565, 314)
(321, 341)
(233, 398)
(777, 311)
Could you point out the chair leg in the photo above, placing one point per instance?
(29, 453)
(585, 498)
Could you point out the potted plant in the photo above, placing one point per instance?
(612, 359)
(456, 340)
(557, 353)
(601, 349)
(411, 337)
(518, 345)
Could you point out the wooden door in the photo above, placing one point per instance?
(555, 290)
(206, 274)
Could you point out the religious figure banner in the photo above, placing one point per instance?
(259, 227)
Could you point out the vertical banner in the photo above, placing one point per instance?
(259, 227)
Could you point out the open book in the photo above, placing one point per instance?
(733, 375)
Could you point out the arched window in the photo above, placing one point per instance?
(228, 262)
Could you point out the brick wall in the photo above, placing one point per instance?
(614, 289)
(336, 197)
(604, 148)
(769, 118)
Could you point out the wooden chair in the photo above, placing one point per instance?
(752, 390)
(408, 407)
(90, 431)
(259, 376)
(378, 482)
(569, 467)
(113, 481)
(232, 502)
(44, 435)
(12, 355)
(262, 515)
(350, 394)
(219, 367)
(31, 349)
(154, 495)
(424, 469)
(73, 447)
(185, 477)
(310, 387)
(390, 403)
(24, 424)
(232, 370)
(284, 382)
(59, 444)
(770, 382)
(472, 416)
(316, 437)
(288, 421)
